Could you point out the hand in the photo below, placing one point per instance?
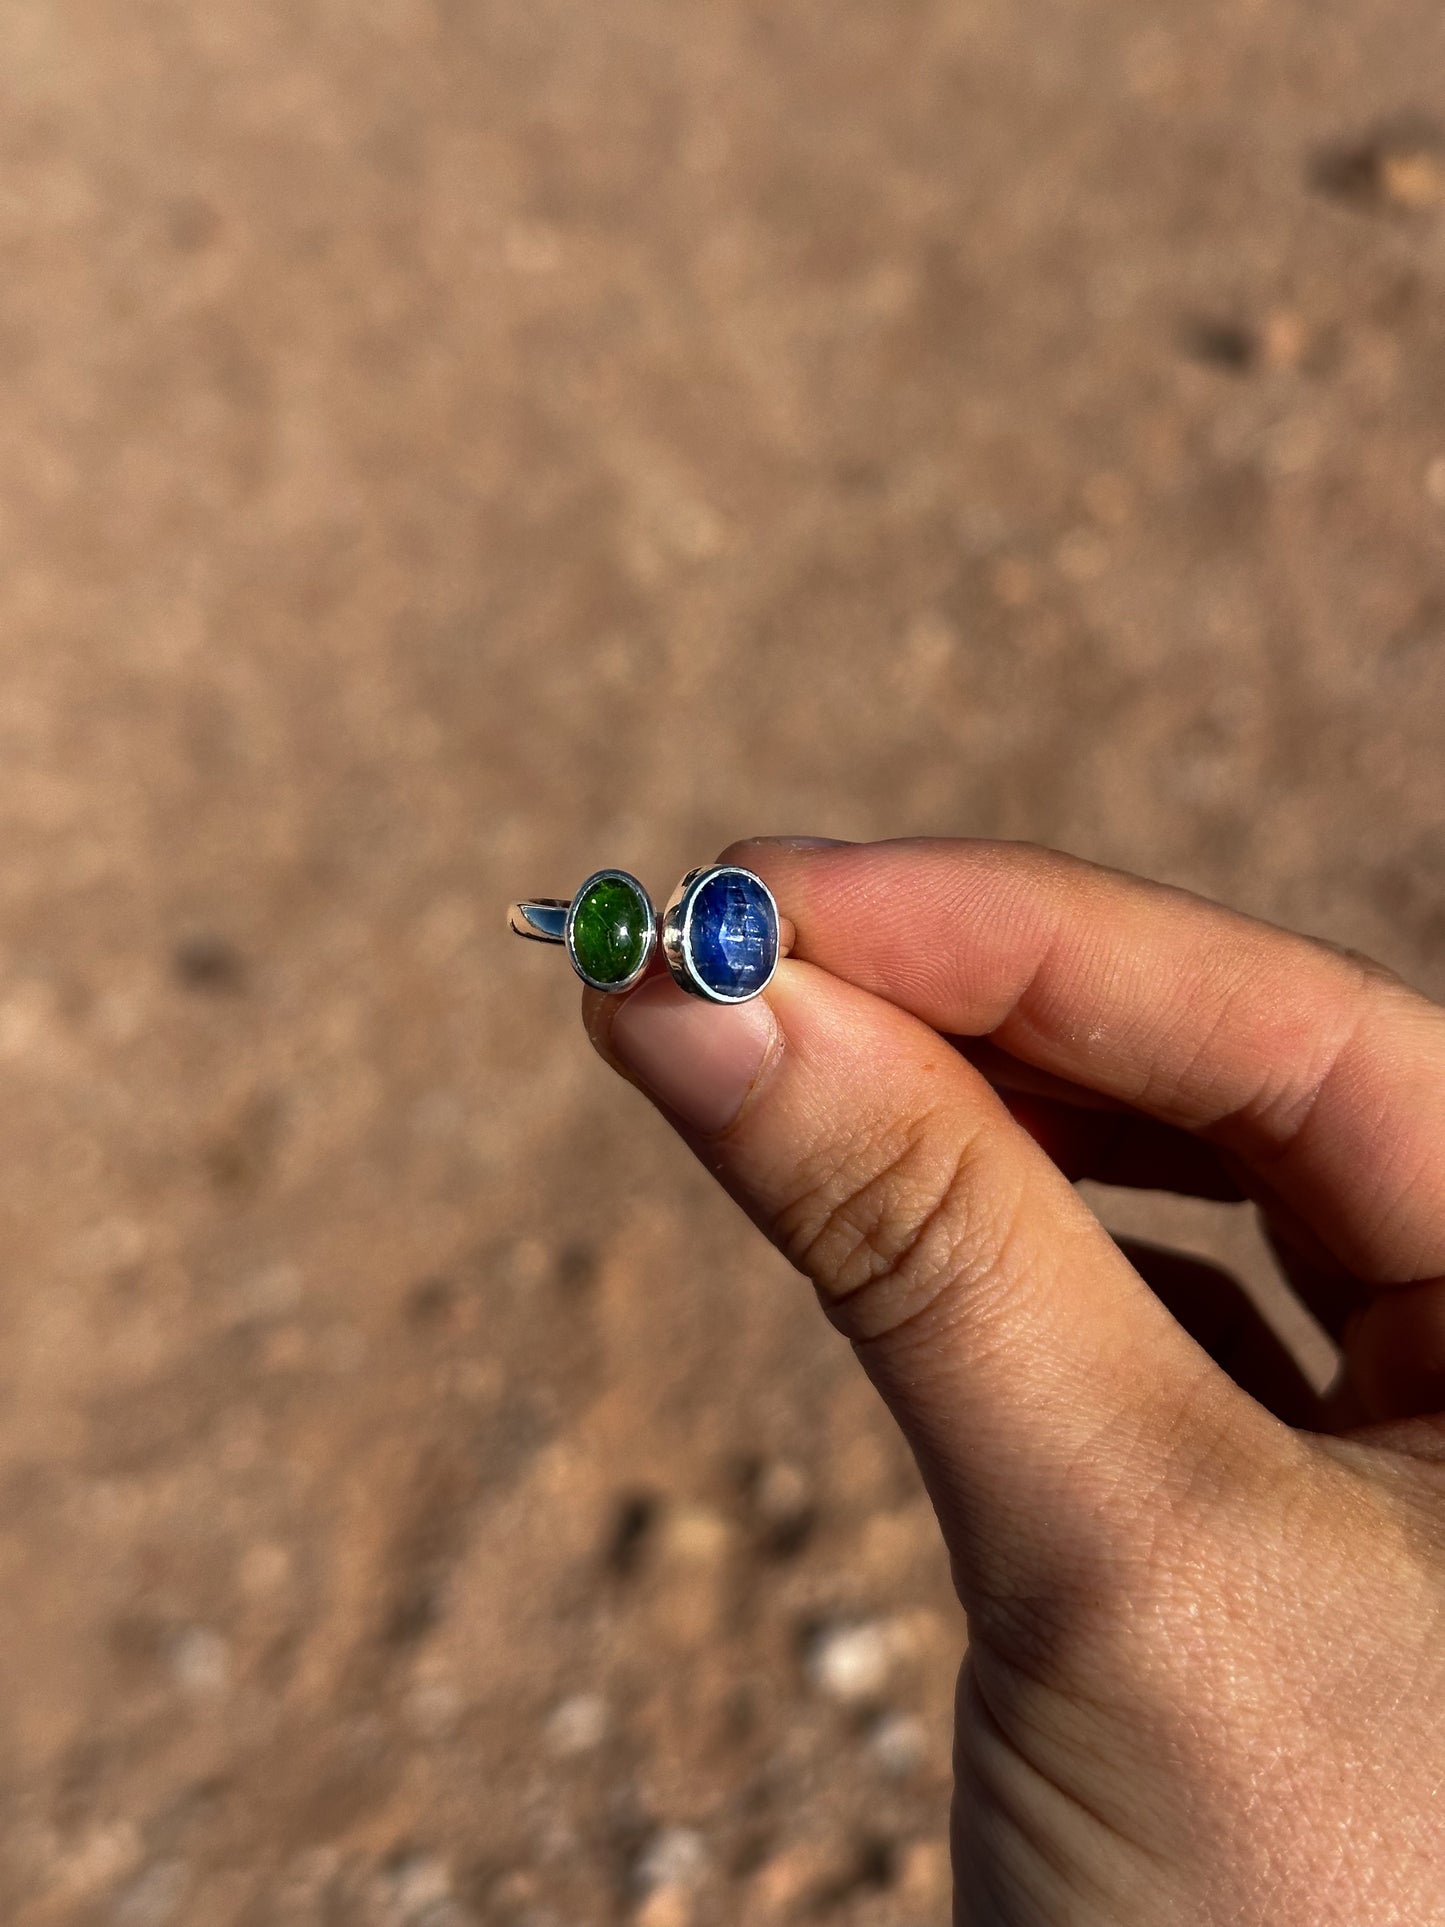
(1206, 1669)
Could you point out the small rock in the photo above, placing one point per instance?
(781, 1884)
(696, 1536)
(923, 1873)
(780, 1499)
(674, 1857)
(577, 1725)
(1401, 167)
(898, 1744)
(852, 1663)
(417, 1887)
(1413, 176)
(201, 1662)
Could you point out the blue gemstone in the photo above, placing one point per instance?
(733, 935)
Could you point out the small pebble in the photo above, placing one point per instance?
(577, 1725)
(923, 1873)
(898, 1744)
(852, 1663)
(1412, 176)
(696, 1536)
(1403, 169)
(201, 1662)
(416, 1887)
(673, 1857)
(779, 1506)
(781, 1494)
(781, 1884)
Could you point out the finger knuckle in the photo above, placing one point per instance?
(887, 1229)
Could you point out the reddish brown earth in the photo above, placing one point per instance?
(449, 445)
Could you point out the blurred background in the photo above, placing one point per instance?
(447, 446)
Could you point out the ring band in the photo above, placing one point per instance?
(543, 919)
(721, 933)
(611, 931)
(609, 928)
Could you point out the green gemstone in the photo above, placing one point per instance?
(609, 930)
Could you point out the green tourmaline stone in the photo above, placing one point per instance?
(609, 931)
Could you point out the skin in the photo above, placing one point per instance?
(1205, 1681)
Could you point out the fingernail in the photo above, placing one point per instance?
(698, 1060)
(808, 842)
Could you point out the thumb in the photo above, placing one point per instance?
(1052, 1403)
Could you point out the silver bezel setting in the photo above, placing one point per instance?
(649, 946)
(677, 933)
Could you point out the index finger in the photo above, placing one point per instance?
(1319, 1070)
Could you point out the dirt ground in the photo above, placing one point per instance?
(451, 445)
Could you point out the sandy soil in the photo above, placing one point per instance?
(449, 445)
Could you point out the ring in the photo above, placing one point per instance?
(609, 928)
(721, 934)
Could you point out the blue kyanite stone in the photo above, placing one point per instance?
(733, 935)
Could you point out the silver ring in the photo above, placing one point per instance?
(609, 928)
(722, 935)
